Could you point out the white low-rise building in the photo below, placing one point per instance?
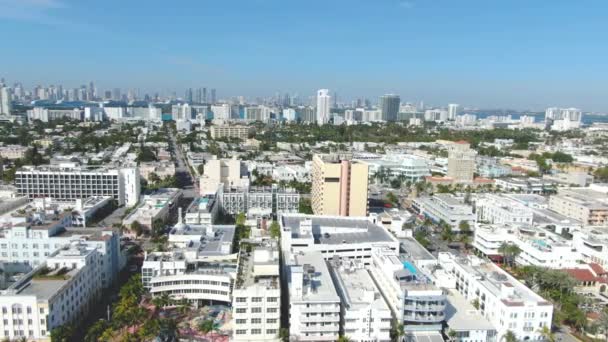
(445, 207)
(202, 211)
(200, 266)
(13, 152)
(60, 291)
(414, 299)
(365, 316)
(256, 302)
(498, 209)
(154, 207)
(538, 247)
(314, 304)
(507, 303)
(345, 237)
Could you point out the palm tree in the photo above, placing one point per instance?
(283, 334)
(509, 336)
(547, 334)
(452, 334)
(162, 300)
(344, 338)
(184, 306)
(397, 331)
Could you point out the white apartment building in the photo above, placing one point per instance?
(200, 267)
(59, 292)
(256, 302)
(503, 300)
(258, 200)
(13, 152)
(6, 101)
(323, 106)
(461, 162)
(445, 207)
(364, 314)
(592, 244)
(411, 294)
(154, 207)
(49, 114)
(564, 119)
(69, 181)
(289, 173)
(538, 247)
(221, 111)
(466, 321)
(230, 172)
(344, 237)
(582, 204)
(33, 242)
(314, 304)
(499, 209)
(161, 169)
(202, 211)
(410, 167)
(230, 131)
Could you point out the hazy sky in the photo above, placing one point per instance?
(524, 54)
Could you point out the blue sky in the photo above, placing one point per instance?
(523, 54)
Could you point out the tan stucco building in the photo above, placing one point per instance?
(339, 185)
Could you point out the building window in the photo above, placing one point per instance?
(241, 321)
(241, 310)
(256, 331)
(256, 321)
(241, 331)
(256, 310)
(241, 299)
(272, 299)
(271, 310)
(256, 299)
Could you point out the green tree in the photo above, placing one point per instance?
(283, 335)
(344, 338)
(96, 330)
(464, 227)
(205, 326)
(305, 207)
(452, 334)
(397, 331)
(547, 334)
(509, 336)
(446, 232)
(601, 174)
(392, 198)
(62, 333)
(137, 228)
(275, 230)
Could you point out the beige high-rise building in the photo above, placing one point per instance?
(461, 162)
(339, 185)
(230, 172)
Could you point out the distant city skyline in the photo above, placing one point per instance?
(516, 54)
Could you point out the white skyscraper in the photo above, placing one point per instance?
(5, 101)
(323, 101)
(452, 111)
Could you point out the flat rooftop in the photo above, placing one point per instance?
(356, 230)
(358, 288)
(318, 285)
(493, 278)
(462, 316)
(411, 249)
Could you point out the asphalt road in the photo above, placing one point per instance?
(185, 179)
